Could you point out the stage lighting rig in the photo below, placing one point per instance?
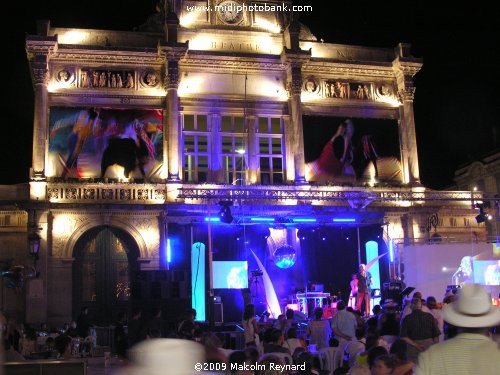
(225, 212)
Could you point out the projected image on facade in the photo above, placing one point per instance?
(341, 149)
(105, 142)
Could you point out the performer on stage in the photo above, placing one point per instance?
(364, 283)
(354, 291)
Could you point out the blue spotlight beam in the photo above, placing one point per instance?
(304, 220)
(262, 219)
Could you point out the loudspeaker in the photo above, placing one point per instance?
(218, 312)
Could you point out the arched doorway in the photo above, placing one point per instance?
(104, 269)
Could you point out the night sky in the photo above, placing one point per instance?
(457, 102)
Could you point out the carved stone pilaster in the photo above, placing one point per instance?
(294, 61)
(172, 75)
(40, 74)
(407, 94)
(39, 50)
(295, 78)
(405, 67)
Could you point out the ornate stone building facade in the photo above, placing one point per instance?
(221, 100)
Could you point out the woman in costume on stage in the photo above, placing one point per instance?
(336, 157)
(354, 291)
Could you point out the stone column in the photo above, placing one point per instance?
(165, 169)
(252, 150)
(216, 167)
(173, 52)
(39, 50)
(173, 139)
(289, 142)
(294, 60)
(405, 68)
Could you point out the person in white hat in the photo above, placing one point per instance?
(166, 356)
(472, 351)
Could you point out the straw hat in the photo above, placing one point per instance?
(165, 356)
(472, 309)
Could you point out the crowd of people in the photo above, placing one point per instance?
(421, 337)
(408, 339)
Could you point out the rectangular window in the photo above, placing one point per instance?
(196, 148)
(233, 149)
(270, 135)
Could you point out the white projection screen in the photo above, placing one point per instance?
(431, 268)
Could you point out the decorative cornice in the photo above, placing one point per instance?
(343, 69)
(90, 58)
(40, 46)
(229, 64)
(173, 51)
(77, 97)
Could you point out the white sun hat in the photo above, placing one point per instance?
(472, 309)
(165, 356)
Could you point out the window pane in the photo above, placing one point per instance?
(202, 176)
(240, 163)
(263, 145)
(189, 143)
(227, 145)
(188, 122)
(277, 178)
(275, 126)
(202, 143)
(202, 168)
(277, 164)
(265, 178)
(239, 176)
(239, 126)
(201, 123)
(263, 127)
(239, 144)
(226, 124)
(276, 142)
(202, 162)
(264, 164)
(228, 162)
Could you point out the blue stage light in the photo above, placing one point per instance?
(304, 220)
(169, 251)
(344, 220)
(213, 219)
(262, 219)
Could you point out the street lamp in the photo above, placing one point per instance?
(34, 243)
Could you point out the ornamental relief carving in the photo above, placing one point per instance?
(343, 89)
(149, 79)
(106, 79)
(63, 228)
(148, 227)
(67, 227)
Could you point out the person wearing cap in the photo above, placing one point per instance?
(472, 351)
